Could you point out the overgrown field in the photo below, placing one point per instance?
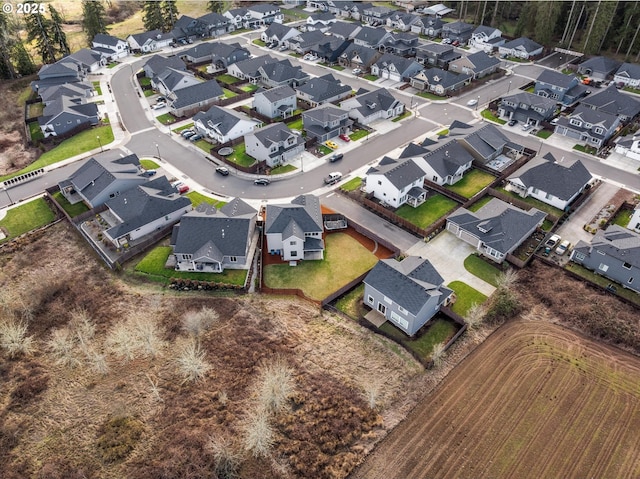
(104, 379)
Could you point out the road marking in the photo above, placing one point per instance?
(144, 131)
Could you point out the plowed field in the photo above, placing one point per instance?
(534, 401)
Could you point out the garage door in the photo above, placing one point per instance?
(395, 77)
(384, 74)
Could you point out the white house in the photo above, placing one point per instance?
(634, 222)
(223, 125)
(628, 74)
(112, 46)
(149, 41)
(520, 48)
(629, 146)
(371, 106)
(274, 144)
(486, 38)
(447, 164)
(396, 182)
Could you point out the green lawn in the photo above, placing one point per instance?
(72, 210)
(544, 134)
(36, 110)
(198, 198)
(471, 183)
(152, 265)
(622, 218)
(632, 90)
(325, 150)
(144, 81)
(96, 87)
(294, 12)
(429, 96)
(204, 145)
(296, 125)
(240, 156)
(404, 115)
(148, 93)
(351, 303)
(35, 131)
(227, 79)
(149, 164)
(482, 269)
(26, 217)
(337, 67)
(228, 93)
(295, 55)
(82, 142)
(466, 297)
(358, 134)
(534, 202)
(183, 127)
(480, 203)
(345, 259)
(352, 184)
(424, 215)
(490, 116)
(249, 87)
(258, 42)
(370, 77)
(166, 119)
(602, 281)
(440, 330)
(586, 149)
(278, 170)
(444, 132)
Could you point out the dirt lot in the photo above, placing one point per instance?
(535, 400)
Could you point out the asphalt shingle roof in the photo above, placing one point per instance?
(486, 141)
(98, 173)
(283, 71)
(304, 211)
(323, 88)
(619, 243)
(250, 66)
(223, 119)
(631, 70)
(278, 93)
(194, 94)
(553, 77)
(448, 158)
(105, 39)
(371, 36)
(611, 101)
(604, 65)
(481, 61)
(400, 174)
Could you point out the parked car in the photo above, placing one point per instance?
(562, 249)
(282, 48)
(333, 178)
(187, 133)
(527, 127)
(344, 137)
(456, 43)
(331, 144)
(223, 170)
(310, 57)
(196, 137)
(261, 181)
(446, 41)
(512, 122)
(149, 173)
(181, 187)
(336, 157)
(553, 241)
(357, 71)
(157, 106)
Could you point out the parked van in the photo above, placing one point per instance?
(333, 178)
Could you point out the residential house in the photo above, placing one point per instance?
(321, 5)
(487, 39)
(396, 182)
(344, 30)
(198, 96)
(476, 65)
(457, 31)
(436, 54)
(157, 64)
(325, 122)
(321, 21)
(62, 72)
(428, 25)
(330, 50)
(79, 91)
(447, 164)
(249, 69)
(610, 100)
(395, 68)
(440, 82)
(263, 14)
(170, 80)
(376, 15)
(370, 37)
(411, 5)
(496, 229)
(488, 142)
(593, 127)
(110, 46)
(189, 28)
(278, 34)
(219, 54)
(629, 146)
(634, 221)
(65, 115)
(88, 60)
(358, 56)
(143, 210)
(239, 18)
(599, 68)
(438, 10)
(357, 9)
(324, 89)
(555, 183)
(408, 293)
(100, 179)
(275, 144)
(527, 108)
(294, 231)
(282, 73)
(401, 20)
(216, 24)
(403, 44)
(149, 41)
(628, 75)
(278, 102)
(613, 253)
(368, 107)
(522, 47)
(565, 89)
(210, 240)
(223, 125)
(304, 42)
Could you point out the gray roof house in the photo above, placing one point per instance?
(486, 38)
(438, 81)
(110, 46)
(275, 144)
(216, 24)
(324, 89)
(457, 31)
(149, 41)
(359, 56)
(395, 182)
(89, 60)
(403, 44)
(408, 293)
(401, 20)
(278, 33)
(221, 55)
(527, 108)
(64, 115)
(613, 253)
(330, 49)
(278, 102)
(428, 25)
(447, 164)
(282, 73)
(81, 90)
(436, 54)
(171, 80)
(210, 240)
(320, 21)
(629, 146)
(249, 69)
(496, 229)
(599, 68)
(521, 48)
(628, 75)
(187, 27)
(100, 179)
(294, 231)
(488, 142)
(395, 68)
(370, 37)
(325, 122)
(376, 15)
(344, 30)
(143, 210)
(304, 42)
(198, 96)
(610, 100)
(593, 127)
(477, 65)
(223, 125)
(374, 105)
(545, 179)
(59, 73)
(157, 64)
(562, 88)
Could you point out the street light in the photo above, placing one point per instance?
(509, 89)
(100, 143)
(158, 150)
(478, 103)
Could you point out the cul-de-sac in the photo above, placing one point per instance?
(319, 239)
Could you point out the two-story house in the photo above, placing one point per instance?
(278, 34)
(403, 44)
(111, 46)
(629, 146)
(274, 144)
(476, 65)
(64, 115)
(325, 122)
(376, 16)
(447, 164)
(359, 56)
(396, 68)
(522, 47)
(324, 89)
(370, 37)
(439, 82)
(527, 108)
(219, 54)
(195, 97)
(263, 14)
(216, 24)
(599, 68)
(282, 73)
(368, 107)
(304, 42)
(428, 25)
(457, 31)
(487, 39)
(278, 102)
(239, 18)
(401, 20)
(344, 30)
(396, 182)
(171, 80)
(330, 50)
(437, 55)
(149, 41)
(613, 253)
(294, 231)
(223, 125)
(610, 100)
(592, 127)
(628, 75)
(320, 21)
(565, 89)
(249, 69)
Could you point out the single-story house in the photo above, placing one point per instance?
(329, 51)
(282, 73)
(439, 82)
(170, 80)
(612, 101)
(593, 127)
(221, 55)
(634, 221)
(629, 146)
(198, 96)
(249, 69)
(488, 142)
(78, 90)
(527, 108)
(375, 105)
(628, 75)
(278, 34)
(149, 41)
(521, 48)
(344, 30)
(275, 144)
(396, 182)
(65, 114)
(325, 122)
(278, 102)
(370, 37)
(477, 65)
(88, 60)
(447, 164)
(156, 64)
(223, 125)
(304, 42)
(599, 68)
(324, 89)
(359, 56)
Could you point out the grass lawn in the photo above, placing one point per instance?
(148, 93)
(294, 12)
(229, 93)
(184, 127)
(546, 225)
(149, 164)
(296, 55)
(153, 263)
(444, 132)
(345, 259)
(439, 331)
(325, 150)
(471, 183)
(241, 30)
(240, 156)
(632, 90)
(490, 116)
(352, 184)
(96, 87)
(466, 297)
(586, 149)
(36, 110)
(337, 67)
(602, 281)
(144, 81)
(622, 218)
(544, 134)
(258, 42)
(535, 203)
(483, 270)
(166, 119)
(197, 198)
(204, 145)
(296, 125)
(480, 203)
(424, 215)
(370, 77)
(82, 142)
(351, 303)
(249, 87)
(405, 114)
(227, 79)
(35, 132)
(72, 210)
(278, 170)
(429, 96)
(112, 65)
(26, 217)
(358, 134)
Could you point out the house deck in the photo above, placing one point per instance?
(375, 318)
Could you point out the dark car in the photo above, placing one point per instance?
(261, 181)
(336, 157)
(223, 170)
(149, 173)
(196, 137)
(512, 122)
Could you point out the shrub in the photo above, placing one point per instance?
(258, 434)
(227, 458)
(14, 339)
(504, 305)
(475, 315)
(276, 385)
(437, 355)
(197, 322)
(118, 437)
(62, 345)
(192, 363)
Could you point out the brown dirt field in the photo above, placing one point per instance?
(534, 400)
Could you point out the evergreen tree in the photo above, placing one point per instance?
(24, 63)
(216, 6)
(152, 15)
(169, 14)
(93, 18)
(57, 34)
(6, 42)
(39, 29)
(546, 20)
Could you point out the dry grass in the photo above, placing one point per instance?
(14, 339)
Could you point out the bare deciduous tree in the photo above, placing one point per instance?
(507, 279)
(475, 316)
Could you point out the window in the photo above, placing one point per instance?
(626, 265)
(575, 122)
(580, 256)
(294, 253)
(379, 182)
(435, 178)
(549, 196)
(233, 259)
(598, 131)
(292, 243)
(603, 267)
(402, 310)
(369, 299)
(630, 280)
(382, 308)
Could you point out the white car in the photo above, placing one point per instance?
(562, 249)
(357, 71)
(472, 102)
(157, 106)
(527, 127)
